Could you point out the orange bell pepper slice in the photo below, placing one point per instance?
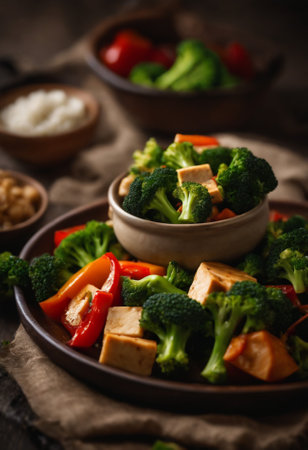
(225, 213)
(196, 139)
(96, 272)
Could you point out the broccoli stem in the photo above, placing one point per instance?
(161, 203)
(172, 348)
(187, 207)
(296, 277)
(215, 370)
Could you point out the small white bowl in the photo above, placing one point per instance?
(189, 244)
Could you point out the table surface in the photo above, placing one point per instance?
(58, 26)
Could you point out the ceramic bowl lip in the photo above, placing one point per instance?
(88, 99)
(160, 227)
(26, 179)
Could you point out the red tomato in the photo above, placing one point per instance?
(238, 60)
(127, 49)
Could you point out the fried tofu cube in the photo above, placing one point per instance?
(125, 185)
(124, 320)
(214, 192)
(132, 354)
(261, 355)
(79, 305)
(197, 174)
(214, 277)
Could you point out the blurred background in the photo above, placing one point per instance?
(33, 32)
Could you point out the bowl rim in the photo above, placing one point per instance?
(26, 179)
(92, 106)
(170, 227)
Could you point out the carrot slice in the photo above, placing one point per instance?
(226, 213)
(196, 139)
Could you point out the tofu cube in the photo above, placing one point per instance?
(124, 320)
(197, 174)
(125, 185)
(214, 192)
(79, 305)
(134, 355)
(214, 277)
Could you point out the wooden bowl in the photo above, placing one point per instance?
(188, 244)
(187, 112)
(21, 231)
(49, 150)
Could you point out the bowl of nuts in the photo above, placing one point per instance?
(23, 202)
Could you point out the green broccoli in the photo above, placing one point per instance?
(195, 68)
(246, 181)
(147, 159)
(299, 350)
(47, 274)
(151, 194)
(13, 272)
(135, 292)
(178, 276)
(146, 73)
(196, 202)
(214, 157)
(83, 246)
(253, 264)
(247, 307)
(172, 318)
(287, 259)
(162, 445)
(179, 155)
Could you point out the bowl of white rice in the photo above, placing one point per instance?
(45, 124)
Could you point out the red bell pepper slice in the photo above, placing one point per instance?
(292, 327)
(275, 216)
(112, 283)
(289, 291)
(133, 270)
(92, 325)
(59, 235)
(127, 49)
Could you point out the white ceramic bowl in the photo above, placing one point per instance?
(188, 244)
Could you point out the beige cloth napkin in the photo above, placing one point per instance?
(82, 418)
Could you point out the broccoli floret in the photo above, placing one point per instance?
(178, 276)
(246, 180)
(146, 73)
(162, 445)
(196, 202)
(299, 350)
(83, 246)
(247, 307)
(253, 265)
(150, 195)
(13, 272)
(293, 223)
(47, 274)
(147, 159)
(215, 156)
(287, 259)
(173, 318)
(195, 68)
(179, 155)
(135, 292)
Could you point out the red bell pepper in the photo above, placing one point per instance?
(59, 235)
(96, 272)
(225, 213)
(112, 283)
(162, 56)
(292, 328)
(275, 216)
(238, 60)
(289, 291)
(127, 49)
(140, 269)
(92, 325)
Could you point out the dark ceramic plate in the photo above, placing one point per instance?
(166, 394)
